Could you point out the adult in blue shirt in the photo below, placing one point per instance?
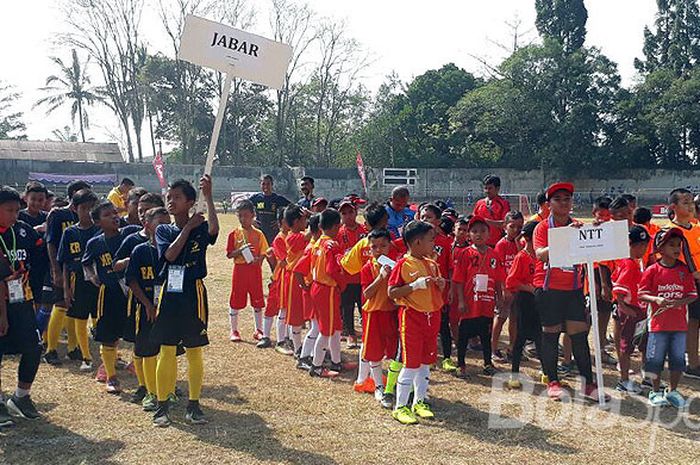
(267, 203)
(397, 208)
(306, 186)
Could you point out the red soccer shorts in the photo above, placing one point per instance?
(308, 305)
(294, 302)
(418, 332)
(326, 300)
(380, 335)
(247, 281)
(273, 300)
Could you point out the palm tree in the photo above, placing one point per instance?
(72, 84)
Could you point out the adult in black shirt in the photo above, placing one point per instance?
(267, 204)
(306, 186)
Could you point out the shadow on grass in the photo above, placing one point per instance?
(250, 434)
(40, 442)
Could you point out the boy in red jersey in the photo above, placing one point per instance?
(416, 286)
(450, 318)
(506, 250)
(625, 279)
(247, 246)
(668, 287)
(276, 295)
(296, 240)
(480, 277)
(519, 284)
(303, 276)
(325, 291)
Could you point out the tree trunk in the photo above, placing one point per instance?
(150, 126)
(80, 116)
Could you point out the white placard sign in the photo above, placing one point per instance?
(234, 52)
(574, 246)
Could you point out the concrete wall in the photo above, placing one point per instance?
(463, 186)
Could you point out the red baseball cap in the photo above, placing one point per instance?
(319, 200)
(559, 186)
(347, 203)
(665, 235)
(475, 220)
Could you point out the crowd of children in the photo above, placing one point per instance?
(441, 277)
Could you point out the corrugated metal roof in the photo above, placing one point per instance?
(59, 151)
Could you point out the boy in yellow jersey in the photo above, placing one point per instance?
(416, 286)
(682, 204)
(183, 308)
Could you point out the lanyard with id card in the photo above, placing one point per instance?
(481, 283)
(15, 291)
(176, 278)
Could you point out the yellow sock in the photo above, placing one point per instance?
(138, 365)
(166, 372)
(70, 329)
(53, 332)
(195, 371)
(109, 358)
(149, 373)
(81, 333)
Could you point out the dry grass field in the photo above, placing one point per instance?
(262, 410)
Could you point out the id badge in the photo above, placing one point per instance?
(176, 278)
(156, 294)
(15, 291)
(481, 283)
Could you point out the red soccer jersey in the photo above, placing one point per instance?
(626, 279)
(279, 248)
(671, 283)
(347, 238)
(562, 279)
(521, 272)
(325, 263)
(443, 251)
(506, 251)
(479, 272)
(495, 210)
(296, 244)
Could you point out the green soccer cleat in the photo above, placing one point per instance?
(150, 403)
(173, 398)
(448, 365)
(423, 410)
(404, 415)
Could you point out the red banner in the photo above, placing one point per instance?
(361, 171)
(159, 166)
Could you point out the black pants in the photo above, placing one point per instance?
(529, 327)
(445, 333)
(469, 328)
(351, 296)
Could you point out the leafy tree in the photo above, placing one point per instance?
(11, 124)
(563, 21)
(70, 85)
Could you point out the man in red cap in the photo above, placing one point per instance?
(493, 209)
(559, 297)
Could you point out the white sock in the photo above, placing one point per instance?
(335, 347)
(320, 350)
(281, 325)
(404, 385)
(233, 318)
(420, 383)
(296, 338)
(362, 370)
(258, 315)
(19, 392)
(376, 369)
(310, 340)
(267, 326)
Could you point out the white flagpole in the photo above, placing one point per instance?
(215, 135)
(592, 292)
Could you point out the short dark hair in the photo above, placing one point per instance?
(9, 194)
(602, 203)
(631, 198)
(267, 177)
(50, 194)
(75, 186)
(433, 208)
(642, 215)
(135, 194)
(186, 188)
(618, 203)
(152, 198)
(513, 215)
(309, 179)
(675, 196)
(330, 218)
(379, 234)
(84, 196)
(541, 198)
(35, 186)
(155, 211)
(127, 182)
(415, 230)
(447, 225)
(291, 214)
(400, 192)
(529, 229)
(244, 204)
(97, 209)
(315, 223)
(374, 213)
(463, 220)
(493, 180)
